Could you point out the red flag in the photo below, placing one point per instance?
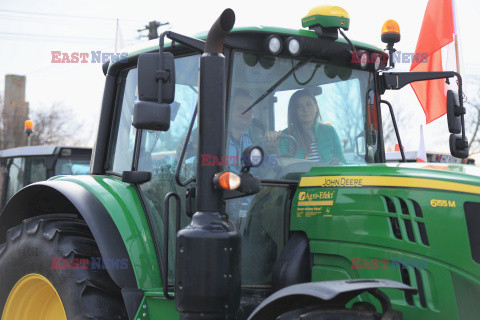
(438, 29)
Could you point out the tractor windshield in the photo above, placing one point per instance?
(302, 113)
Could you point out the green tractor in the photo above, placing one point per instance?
(241, 175)
(25, 165)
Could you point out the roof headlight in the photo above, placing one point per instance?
(274, 44)
(364, 60)
(376, 59)
(293, 46)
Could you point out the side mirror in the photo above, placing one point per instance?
(454, 112)
(360, 143)
(156, 90)
(156, 77)
(458, 146)
(151, 116)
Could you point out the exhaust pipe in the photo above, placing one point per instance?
(218, 32)
(208, 250)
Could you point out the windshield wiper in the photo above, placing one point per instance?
(184, 149)
(276, 84)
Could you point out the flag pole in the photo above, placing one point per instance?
(457, 55)
(457, 50)
(116, 38)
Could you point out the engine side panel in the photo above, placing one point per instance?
(391, 223)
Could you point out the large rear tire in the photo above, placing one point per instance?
(46, 272)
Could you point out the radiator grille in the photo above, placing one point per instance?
(409, 223)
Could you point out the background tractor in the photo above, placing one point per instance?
(201, 205)
(25, 165)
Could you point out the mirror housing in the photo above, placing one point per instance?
(454, 112)
(151, 116)
(360, 147)
(155, 83)
(156, 90)
(458, 146)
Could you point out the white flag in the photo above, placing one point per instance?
(421, 153)
(119, 40)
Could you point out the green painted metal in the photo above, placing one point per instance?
(447, 172)
(122, 202)
(143, 312)
(352, 234)
(155, 306)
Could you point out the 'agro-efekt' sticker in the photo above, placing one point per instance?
(315, 203)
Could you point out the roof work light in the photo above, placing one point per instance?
(390, 32)
(28, 126)
(390, 35)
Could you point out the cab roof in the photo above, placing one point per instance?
(31, 151)
(153, 45)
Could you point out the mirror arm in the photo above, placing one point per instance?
(397, 80)
(184, 150)
(163, 75)
(160, 65)
(396, 129)
(192, 43)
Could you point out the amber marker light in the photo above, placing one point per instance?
(28, 125)
(390, 32)
(227, 180)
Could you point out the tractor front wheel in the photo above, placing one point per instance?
(46, 273)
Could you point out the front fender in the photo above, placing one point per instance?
(331, 292)
(113, 212)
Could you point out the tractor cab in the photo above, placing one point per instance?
(277, 80)
(292, 99)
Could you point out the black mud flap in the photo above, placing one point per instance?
(334, 293)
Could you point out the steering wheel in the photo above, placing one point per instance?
(292, 141)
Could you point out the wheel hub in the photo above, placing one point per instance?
(34, 297)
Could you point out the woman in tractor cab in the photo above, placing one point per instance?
(316, 141)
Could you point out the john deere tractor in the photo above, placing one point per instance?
(210, 198)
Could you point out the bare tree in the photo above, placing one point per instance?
(56, 126)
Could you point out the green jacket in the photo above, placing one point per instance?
(328, 143)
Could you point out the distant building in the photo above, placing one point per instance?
(15, 112)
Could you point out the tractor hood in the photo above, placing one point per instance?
(438, 176)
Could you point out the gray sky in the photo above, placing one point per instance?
(26, 42)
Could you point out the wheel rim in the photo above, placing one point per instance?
(34, 297)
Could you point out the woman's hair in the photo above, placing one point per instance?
(293, 123)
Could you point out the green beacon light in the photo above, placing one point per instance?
(326, 20)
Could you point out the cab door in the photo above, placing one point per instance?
(14, 178)
(159, 154)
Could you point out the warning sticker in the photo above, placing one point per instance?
(313, 203)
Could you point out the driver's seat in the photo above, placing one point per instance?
(293, 266)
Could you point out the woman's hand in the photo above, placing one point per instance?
(272, 138)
